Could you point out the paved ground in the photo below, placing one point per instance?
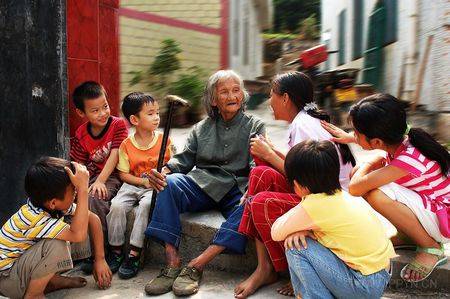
(217, 285)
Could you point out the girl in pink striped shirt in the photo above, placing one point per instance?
(409, 186)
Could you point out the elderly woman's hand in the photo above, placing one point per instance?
(260, 148)
(155, 180)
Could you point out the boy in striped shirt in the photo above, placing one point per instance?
(34, 242)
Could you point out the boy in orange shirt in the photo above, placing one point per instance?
(138, 158)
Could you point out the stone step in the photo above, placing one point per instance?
(199, 229)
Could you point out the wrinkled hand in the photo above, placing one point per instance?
(298, 239)
(102, 274)
(80, 179)
(99, 189)
(267, 139)
(155, 180)
(340, 136)
(166, 170)
(260, 148)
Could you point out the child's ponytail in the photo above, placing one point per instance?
(344, 149)
(430, 148)
(300, 89)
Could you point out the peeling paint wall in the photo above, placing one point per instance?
(33, 97)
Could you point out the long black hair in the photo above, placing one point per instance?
(383, 116)
(300, 89)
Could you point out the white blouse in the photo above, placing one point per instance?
(305, 127)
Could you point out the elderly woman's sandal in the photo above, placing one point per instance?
(423, 270)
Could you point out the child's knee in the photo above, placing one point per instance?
(56, 247)
(259, 170)
(116, 207)
(263, 201)
(376, 198)
(173, 178)
(312, 246)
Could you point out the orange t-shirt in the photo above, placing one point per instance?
(138, 160)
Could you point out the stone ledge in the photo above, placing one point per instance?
(199, 229)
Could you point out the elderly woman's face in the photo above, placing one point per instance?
(229, 98)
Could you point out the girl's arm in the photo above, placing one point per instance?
(370, 176)
(339, 135)
(260, 148)
(293, 221)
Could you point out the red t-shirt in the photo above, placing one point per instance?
(93, 151)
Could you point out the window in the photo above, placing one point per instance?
(358, 28)
(391, 21)
(341, 41)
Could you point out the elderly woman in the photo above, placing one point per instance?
(218, 147)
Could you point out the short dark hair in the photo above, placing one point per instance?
(314, 165)
(86, 91)
(47, 179)
(383, 116)
(133, 102)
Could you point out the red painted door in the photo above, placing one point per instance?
(93, 50)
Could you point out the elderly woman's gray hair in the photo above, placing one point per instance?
(210, 92)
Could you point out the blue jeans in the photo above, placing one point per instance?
(182, 195)
(316, 272)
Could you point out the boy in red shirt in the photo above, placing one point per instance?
(96, 145)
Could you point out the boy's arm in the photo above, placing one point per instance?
(77, 231)
(296, 219)
(99, 186)
(102, 274)
(134, 180)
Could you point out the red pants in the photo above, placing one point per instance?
(269, 197)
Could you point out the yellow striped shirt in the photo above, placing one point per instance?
(25, 228)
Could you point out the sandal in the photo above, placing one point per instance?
(423, 270)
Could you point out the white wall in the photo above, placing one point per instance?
(245, 38)
(433, 19)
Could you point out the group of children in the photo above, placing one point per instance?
(110, 174)
(335, 245)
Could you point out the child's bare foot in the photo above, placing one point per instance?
(58, 282)
(286, 290)
(258, 279)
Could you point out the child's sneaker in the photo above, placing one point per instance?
(115, 260)
(129, 268)
(87, 266)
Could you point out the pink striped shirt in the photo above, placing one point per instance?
(425, 177)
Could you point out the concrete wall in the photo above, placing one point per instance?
(203, 12)
(140, 38)
(33, 105)
(208, 31)
(245, 47)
